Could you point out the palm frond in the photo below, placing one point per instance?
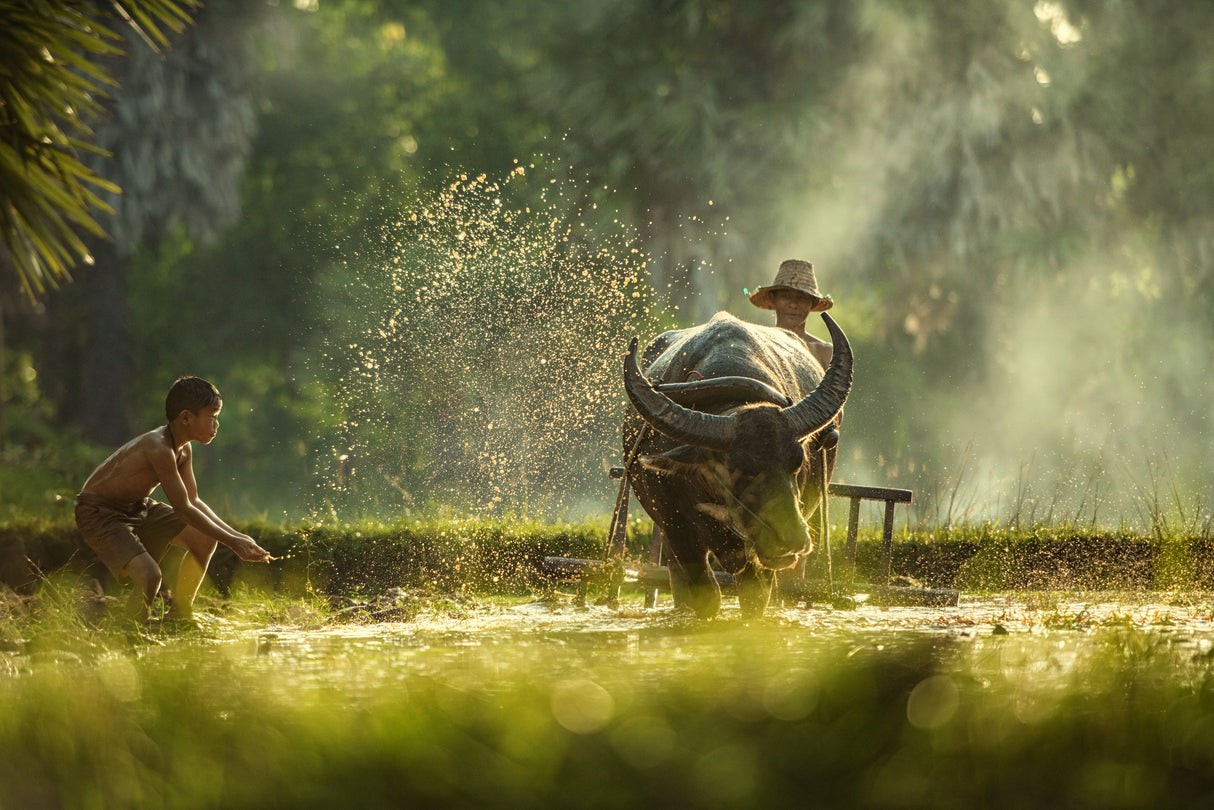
(53, 81)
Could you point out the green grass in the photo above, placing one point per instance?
(720, 714)
(506, 557)
(260, 707)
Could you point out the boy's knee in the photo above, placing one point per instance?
(144, 571)
(197, 545)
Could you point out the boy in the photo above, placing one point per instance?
(131, 532)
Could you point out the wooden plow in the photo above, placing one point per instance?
(613, 573)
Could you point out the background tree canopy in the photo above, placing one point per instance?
(453, 215)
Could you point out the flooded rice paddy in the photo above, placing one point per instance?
(485, 643)
(1017, 700)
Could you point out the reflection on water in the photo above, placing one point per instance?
(491, 644)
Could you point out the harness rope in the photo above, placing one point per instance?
(628, 462)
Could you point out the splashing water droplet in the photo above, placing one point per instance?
(479, 361)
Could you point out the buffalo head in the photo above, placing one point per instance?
(746, 460)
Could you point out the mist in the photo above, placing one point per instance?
(1030, 349)
(455, 216)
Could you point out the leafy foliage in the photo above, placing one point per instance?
(1005, 201)
(51, 61)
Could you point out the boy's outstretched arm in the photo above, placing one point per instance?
(255, 552)
(182, 492)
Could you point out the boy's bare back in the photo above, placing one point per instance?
(134, 470)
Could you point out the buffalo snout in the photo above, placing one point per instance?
(777, 529)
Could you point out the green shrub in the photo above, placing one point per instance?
(504, 556)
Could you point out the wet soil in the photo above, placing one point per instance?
(484, 642)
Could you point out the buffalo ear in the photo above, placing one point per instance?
(682, 460)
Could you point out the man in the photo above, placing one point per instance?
(793, 295)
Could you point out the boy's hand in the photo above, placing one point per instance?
(249, 551)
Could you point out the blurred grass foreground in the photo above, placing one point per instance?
(284, 698)
(668, 714)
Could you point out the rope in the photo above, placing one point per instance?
(824, 534)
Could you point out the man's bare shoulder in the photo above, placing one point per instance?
(133, 470)
(813, 340)
(820, 349)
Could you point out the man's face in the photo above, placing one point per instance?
(792, 308)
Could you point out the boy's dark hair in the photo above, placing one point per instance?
(190, 394)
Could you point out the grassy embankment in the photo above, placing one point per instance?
(507, 556)
(37, 538)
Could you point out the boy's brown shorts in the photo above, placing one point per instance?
(120, 532)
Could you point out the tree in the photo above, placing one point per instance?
(176, 134)
(686, 111)
(55, 80)
(52, 60)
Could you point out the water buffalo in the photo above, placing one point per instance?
(733, 465)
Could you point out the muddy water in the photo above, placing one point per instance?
(476, 647)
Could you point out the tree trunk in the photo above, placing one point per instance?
(108, 365)
(2, 392)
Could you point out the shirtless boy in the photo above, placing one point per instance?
(131, 532)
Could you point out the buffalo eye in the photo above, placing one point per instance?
(796, 457)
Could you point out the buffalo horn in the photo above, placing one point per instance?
(820, 406)
(668, 417)
(701, 394)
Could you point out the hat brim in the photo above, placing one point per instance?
(762, 298)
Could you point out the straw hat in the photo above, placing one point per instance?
(795, 275)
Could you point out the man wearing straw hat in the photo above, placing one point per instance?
(793, 295)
